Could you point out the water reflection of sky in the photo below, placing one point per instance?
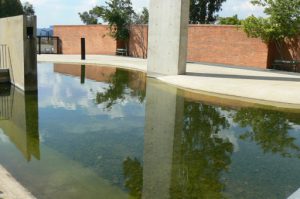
(59, 91)
(216, 152)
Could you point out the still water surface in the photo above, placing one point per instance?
(100, 132)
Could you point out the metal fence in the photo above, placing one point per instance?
(6, 102)
(4, 57)
(48, 45)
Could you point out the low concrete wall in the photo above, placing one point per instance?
(19, 35)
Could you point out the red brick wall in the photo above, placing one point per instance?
(225, 45)
(138, 42)
(290, 49)
(97, 39)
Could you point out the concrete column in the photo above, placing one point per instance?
(168, 32)
(18, 34)
(164, 112)
(19, 120)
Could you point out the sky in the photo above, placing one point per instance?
(65, 12)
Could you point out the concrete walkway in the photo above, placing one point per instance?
(10, 188)
(266, 87)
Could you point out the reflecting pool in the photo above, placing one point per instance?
(101, 132)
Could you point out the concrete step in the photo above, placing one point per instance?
(4, 76)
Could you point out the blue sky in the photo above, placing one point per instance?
(65, 12)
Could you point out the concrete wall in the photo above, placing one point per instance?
(97, 37)
(21, 50)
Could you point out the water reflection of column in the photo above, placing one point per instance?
(22, 125)
(164, 112)
(82, 75)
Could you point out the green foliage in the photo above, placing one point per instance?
(203, 11)
(234, 20)
(142, 18)
(10, 8)
(283, 20)
(28, 9)
(259, 28)
(117, 13)
(88, 18)
(133, 173)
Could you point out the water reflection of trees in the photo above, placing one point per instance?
(201, 155)
(269, 129)
(133, 172)
(199, 158)
(119, 87)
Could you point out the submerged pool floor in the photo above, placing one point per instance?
(101, 132)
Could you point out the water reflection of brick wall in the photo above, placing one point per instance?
(96, 73)
(137, 80)
(227, 45)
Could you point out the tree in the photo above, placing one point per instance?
(203, 11)
(234, 20)
(28, 9)
(141, 18)
(117, 13)
(10, 8)
(89, 17)
(283, 22)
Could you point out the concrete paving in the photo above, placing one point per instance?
(10, 188)
(268, 87)
(295, 195)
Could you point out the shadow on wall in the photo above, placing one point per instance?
(289, 52)
(138, 43)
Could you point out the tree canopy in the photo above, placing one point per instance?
(28, 9)
(283, 20)
(234, 20)
(141, 18)
(117, 13)
(204, 11)
(10, 8)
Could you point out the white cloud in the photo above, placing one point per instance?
(243, 8)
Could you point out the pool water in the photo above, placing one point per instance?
(101, 132)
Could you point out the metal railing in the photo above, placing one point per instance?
(5, 60)
(6, 102)
(48, 45)
(4, 57)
